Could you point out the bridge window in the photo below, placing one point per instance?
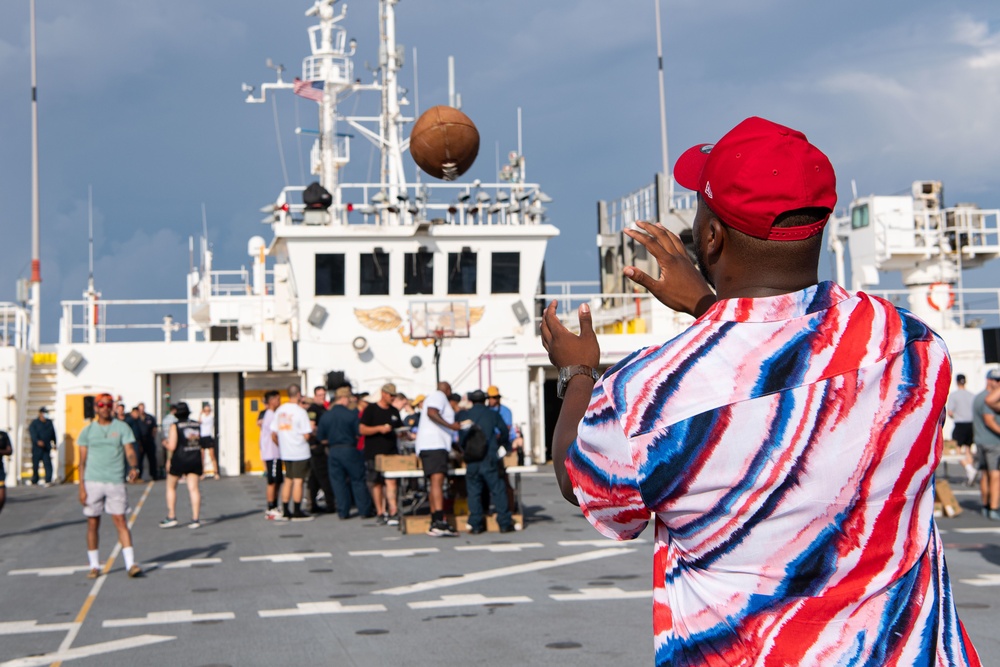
(506, 274)
(418, 272)
(375, 273)
(330, 275)
(859, 217)
(462, 272)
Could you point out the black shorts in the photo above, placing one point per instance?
(434, 461)
(183, 463)
(373, 476)
(207, 442)
(273, 472)
(962, 433)
(296, 469)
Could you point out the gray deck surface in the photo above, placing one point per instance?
(358, 608)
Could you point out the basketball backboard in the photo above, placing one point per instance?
(439, 319)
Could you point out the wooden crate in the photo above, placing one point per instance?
(946, 499)
(421, 523)
(386, 462)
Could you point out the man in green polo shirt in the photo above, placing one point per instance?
(104, 446)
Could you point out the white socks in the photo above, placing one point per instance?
(129, 557)
(95, 564)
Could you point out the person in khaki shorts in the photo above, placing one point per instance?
(104, 444)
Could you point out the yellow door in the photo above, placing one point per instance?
(253, 405)
(75, 421)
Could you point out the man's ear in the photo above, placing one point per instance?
(715, 239)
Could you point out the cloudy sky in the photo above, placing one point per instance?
(141, 100)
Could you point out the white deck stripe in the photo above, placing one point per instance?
(313, 608)
(603, 593)
(503, 572)
(395, 553)
(26, 627)
(472, 600)
(973, 531)
(51, 571)
(600, 544)
(181, 564)
(164, 617)
(501, 548)
(983, 580)
(87, 651)
(286, 558)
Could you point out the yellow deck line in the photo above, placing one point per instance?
(88, 603)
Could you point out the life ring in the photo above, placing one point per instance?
(940, 296)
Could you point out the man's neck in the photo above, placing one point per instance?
(104, 422)
(384, 405)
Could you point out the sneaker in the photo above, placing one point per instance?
(392, 520)
(985, 511)
(477, 530)
(135, 571)
(94, 573)
(993, 515)
(44, 484)
(441, 529)
(272, 514)
(195, 524)
(301, 516)
(168, 523)
(382, 520)
(507, 529)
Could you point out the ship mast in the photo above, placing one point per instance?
(391, 128)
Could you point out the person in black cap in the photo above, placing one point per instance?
(486, 471)
(43, 441)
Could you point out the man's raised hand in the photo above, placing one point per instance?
(566, 348)
(680, 286)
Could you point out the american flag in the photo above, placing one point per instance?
(311, 90)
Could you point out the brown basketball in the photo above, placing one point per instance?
(444, 142)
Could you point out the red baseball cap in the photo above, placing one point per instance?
(756, 172)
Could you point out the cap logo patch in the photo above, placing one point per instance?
(708, 190)
(707, 148)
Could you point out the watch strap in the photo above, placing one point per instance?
(568, 372)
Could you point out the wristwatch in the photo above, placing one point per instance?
(566, 372)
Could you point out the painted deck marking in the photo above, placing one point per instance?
(501, 548)
(600, 544)
(973, 531)
(503, 572)
(51, 571)
(313, 608)
(395, 553)
(25, 627)
(181, 564)
(472, 600)
(983, 580)
(602, 593)
(164, 617)
(87, 651)
(286, 558)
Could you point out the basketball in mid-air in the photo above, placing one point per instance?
(444, 142)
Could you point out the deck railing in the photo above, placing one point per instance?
(14, 320)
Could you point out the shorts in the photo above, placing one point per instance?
(273, 472)
(185, 464)
(207, 442)
(434, 461)
(3, 475)
(105, 497)
(296, 469)
(989, 458)
(962, 433)
(373, 476)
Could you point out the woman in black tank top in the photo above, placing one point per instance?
(186, 461)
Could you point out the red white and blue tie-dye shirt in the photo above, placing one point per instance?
(785, 448)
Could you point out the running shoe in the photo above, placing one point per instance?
(392, 520)
(94, 573)
(301, 516)
(273, 514)
(382, 520)
(195, 524)
(134, 571)
(441, 529)
(168, 523)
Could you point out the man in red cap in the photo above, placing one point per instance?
(784, 445)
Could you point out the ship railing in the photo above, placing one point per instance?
(421, 203)
(972, 307)
(238, 282)
(120, 320)
(14, 320)
(612, 313)
(642, 205)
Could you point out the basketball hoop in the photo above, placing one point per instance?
(437, 320)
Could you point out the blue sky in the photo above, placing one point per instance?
(142, 101)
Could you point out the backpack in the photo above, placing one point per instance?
(474, 444)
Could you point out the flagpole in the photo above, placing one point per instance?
(663, 110)
(36, 262)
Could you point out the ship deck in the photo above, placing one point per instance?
(245, 591)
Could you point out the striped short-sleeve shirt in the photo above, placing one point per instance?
(785, 449)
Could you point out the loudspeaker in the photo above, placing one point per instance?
(88, 407)
(317, 317)
(72, 360)
(335, 379)
(991, 345)
(521, 313)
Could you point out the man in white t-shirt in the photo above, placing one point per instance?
(433, 443)
(291, 428)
